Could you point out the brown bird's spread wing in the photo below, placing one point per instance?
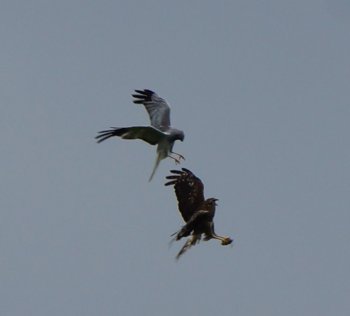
(189, 191)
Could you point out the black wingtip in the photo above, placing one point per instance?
(170, 183)
(173, 180)
(144, 92)
(139, 101)
(114, 131)
(142, 96)
(140, 91)
(174, 177)
(176, 171)
(139, 96)
(176, 174)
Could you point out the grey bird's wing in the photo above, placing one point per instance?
(148, 134)
(158, 109)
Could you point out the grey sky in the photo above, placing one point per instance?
(261, 89)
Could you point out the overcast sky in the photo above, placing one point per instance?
(261, 89)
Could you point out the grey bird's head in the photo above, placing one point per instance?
(181, 136)
(177, 134)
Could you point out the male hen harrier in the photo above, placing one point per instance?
(159, 133)
(197, 212)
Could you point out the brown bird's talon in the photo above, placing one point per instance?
(226, 241)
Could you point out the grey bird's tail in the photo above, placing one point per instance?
(156, 164)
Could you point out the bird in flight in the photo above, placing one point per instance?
(158, 133)
(197, 212)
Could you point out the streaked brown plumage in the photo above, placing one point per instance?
(197, 212)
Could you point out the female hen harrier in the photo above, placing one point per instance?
(159, 133)
(197, 212)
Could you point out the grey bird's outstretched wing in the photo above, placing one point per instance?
(158, 109)
(148, 134)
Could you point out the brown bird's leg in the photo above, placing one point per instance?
(224, 240)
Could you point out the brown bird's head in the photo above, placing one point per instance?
(212, 202)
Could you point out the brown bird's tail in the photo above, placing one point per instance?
(194, 239)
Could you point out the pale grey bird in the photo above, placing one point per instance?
(158, 133)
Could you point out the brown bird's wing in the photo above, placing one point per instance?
(189, 191)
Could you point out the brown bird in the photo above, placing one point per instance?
(197, 212)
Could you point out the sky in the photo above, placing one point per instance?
(261, 90)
